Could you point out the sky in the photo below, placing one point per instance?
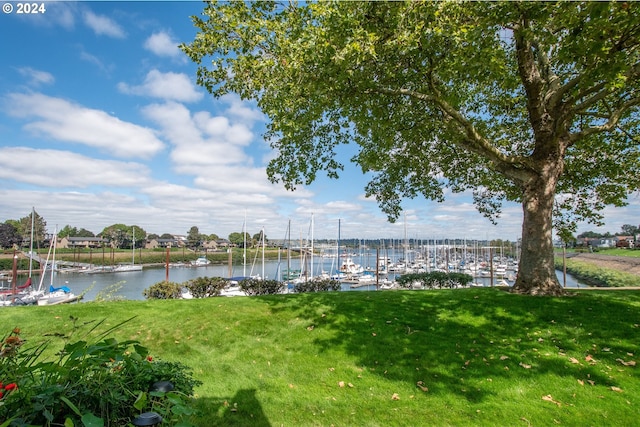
(101, 122)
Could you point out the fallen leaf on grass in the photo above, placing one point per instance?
(395, 396)
(504, 357)
(590, 359)
(422, 387)
(548, 398)
(580, 382)
(618, 389)
(574, 360)
(310, 328)
(341, 384)
(525, 366)
(629, 363)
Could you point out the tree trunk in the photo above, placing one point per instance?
(536, 270)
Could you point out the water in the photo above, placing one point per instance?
(135, 282)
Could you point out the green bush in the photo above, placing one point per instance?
(102, 382)
(261, 287)
(203, 287)
(434, 280)
(164, 290)
(317, 285)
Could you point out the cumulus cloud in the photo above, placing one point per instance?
(168, 86)
(242, 110)
(162, 44)
(69, 122)
(200, 140)
(102, 25)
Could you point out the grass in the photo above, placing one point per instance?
(397, 358)
(595, 275)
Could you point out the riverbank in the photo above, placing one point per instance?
(602, 270)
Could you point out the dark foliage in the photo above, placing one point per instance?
(261, 287)
(434, 280)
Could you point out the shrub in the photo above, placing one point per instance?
(163, 290)
(434, 280)
(203, 287)
(317, 285)
(96, 383)
(261, 287)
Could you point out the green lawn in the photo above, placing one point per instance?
(395, 358)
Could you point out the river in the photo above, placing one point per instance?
(133, 283)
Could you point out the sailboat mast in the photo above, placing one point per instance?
(55, 243)
(338, 241)
(311, 246)
(33, 211)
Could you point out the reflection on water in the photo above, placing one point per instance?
(135, 282)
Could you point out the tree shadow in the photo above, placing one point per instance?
(242, 409)
(452, 341)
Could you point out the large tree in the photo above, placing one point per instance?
(39, 229)
(534, 102)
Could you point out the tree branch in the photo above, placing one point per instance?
(514, 165)
(614, 119)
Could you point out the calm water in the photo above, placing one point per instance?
(135, 282)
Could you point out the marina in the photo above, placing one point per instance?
(131, 284)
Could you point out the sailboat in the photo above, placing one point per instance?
(25, 294)
(55, 295)
(121, 268)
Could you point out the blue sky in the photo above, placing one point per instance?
(101, 122)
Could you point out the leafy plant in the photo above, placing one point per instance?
(317, 285)
(163, 290)
(261, 287)
(434, 280)
(91, 382)
(203, 287)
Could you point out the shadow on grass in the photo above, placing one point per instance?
(455, 340)
(244, 407)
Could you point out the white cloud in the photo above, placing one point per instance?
(86, 56)
(242, 110)
(200, 141)
(102, 25)
(36, 77)
(168, 86)
(162, 44)
(62, 169)
(66, 121)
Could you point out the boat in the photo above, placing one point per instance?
(55, 295)
(59, 295)
(200, 262)
(351, 268)
(123, 268)
(24, 294)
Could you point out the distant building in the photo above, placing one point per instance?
(81, 242)
(162, 243)
(625, 241)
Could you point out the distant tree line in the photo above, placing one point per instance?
(17, 234)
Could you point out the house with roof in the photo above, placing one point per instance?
(81, 242)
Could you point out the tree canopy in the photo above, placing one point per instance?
(533, 102)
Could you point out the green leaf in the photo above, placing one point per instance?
(90, 420)
(141, 401)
